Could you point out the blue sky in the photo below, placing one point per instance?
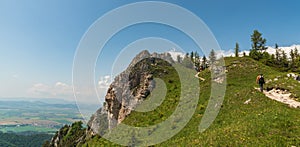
(39, 38)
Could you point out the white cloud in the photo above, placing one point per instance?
(65, 91)
(219, 53)
(58, 90)
(287, 50)
(175, 53)
(103, 85)
(223, 53)
(270, 50)
(104, 82)
(230, 53)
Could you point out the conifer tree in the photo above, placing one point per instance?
(258, 45)
(212, 56)
(292, 61)
(272, 60)
(204, 60)
(236, 49)
(296, 52)
(276, 46)
(284, 60)
(192, 56)
(277, 58)
(297, 58)
(197, 59)
(258, 42)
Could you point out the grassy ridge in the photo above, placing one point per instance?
(262, 122)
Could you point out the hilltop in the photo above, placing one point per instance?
(261, 121)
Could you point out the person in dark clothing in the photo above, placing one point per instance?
(298, 78)
(261, 81)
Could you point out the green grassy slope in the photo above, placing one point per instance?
(262, 122)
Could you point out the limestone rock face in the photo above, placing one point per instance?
(97, 123)
(127, 90)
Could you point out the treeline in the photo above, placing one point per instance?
(195, 61)
(16, 140)
(280, 60)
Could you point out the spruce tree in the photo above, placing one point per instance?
(258, 45)
(297, 59)
(255, 54)
(296, 52)
(197, 59)
(192, 56)
(236, 49)
(284, 60)
(204, 60)
(277, 58)
(292, 61)
(212, 56)
(272, 60)
(258, 42)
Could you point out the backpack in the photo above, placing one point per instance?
(261, 80)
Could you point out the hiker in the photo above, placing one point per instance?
(298, 78)
(261, 81)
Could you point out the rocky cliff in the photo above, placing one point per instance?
(128, 89)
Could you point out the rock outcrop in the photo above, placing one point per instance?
(127, 90)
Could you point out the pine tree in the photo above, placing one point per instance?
(297, 59)
(236, 49)
(292, 61)
(192, 56)
(258, 45)
(258, 42)
(284, 60)
(197, 55)
(212, 56)
(277, 58)
(276, 46)
(296, 52)
(204, 60)
(255, 54)
(272, 60)
(197, 59)
(297, 64)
